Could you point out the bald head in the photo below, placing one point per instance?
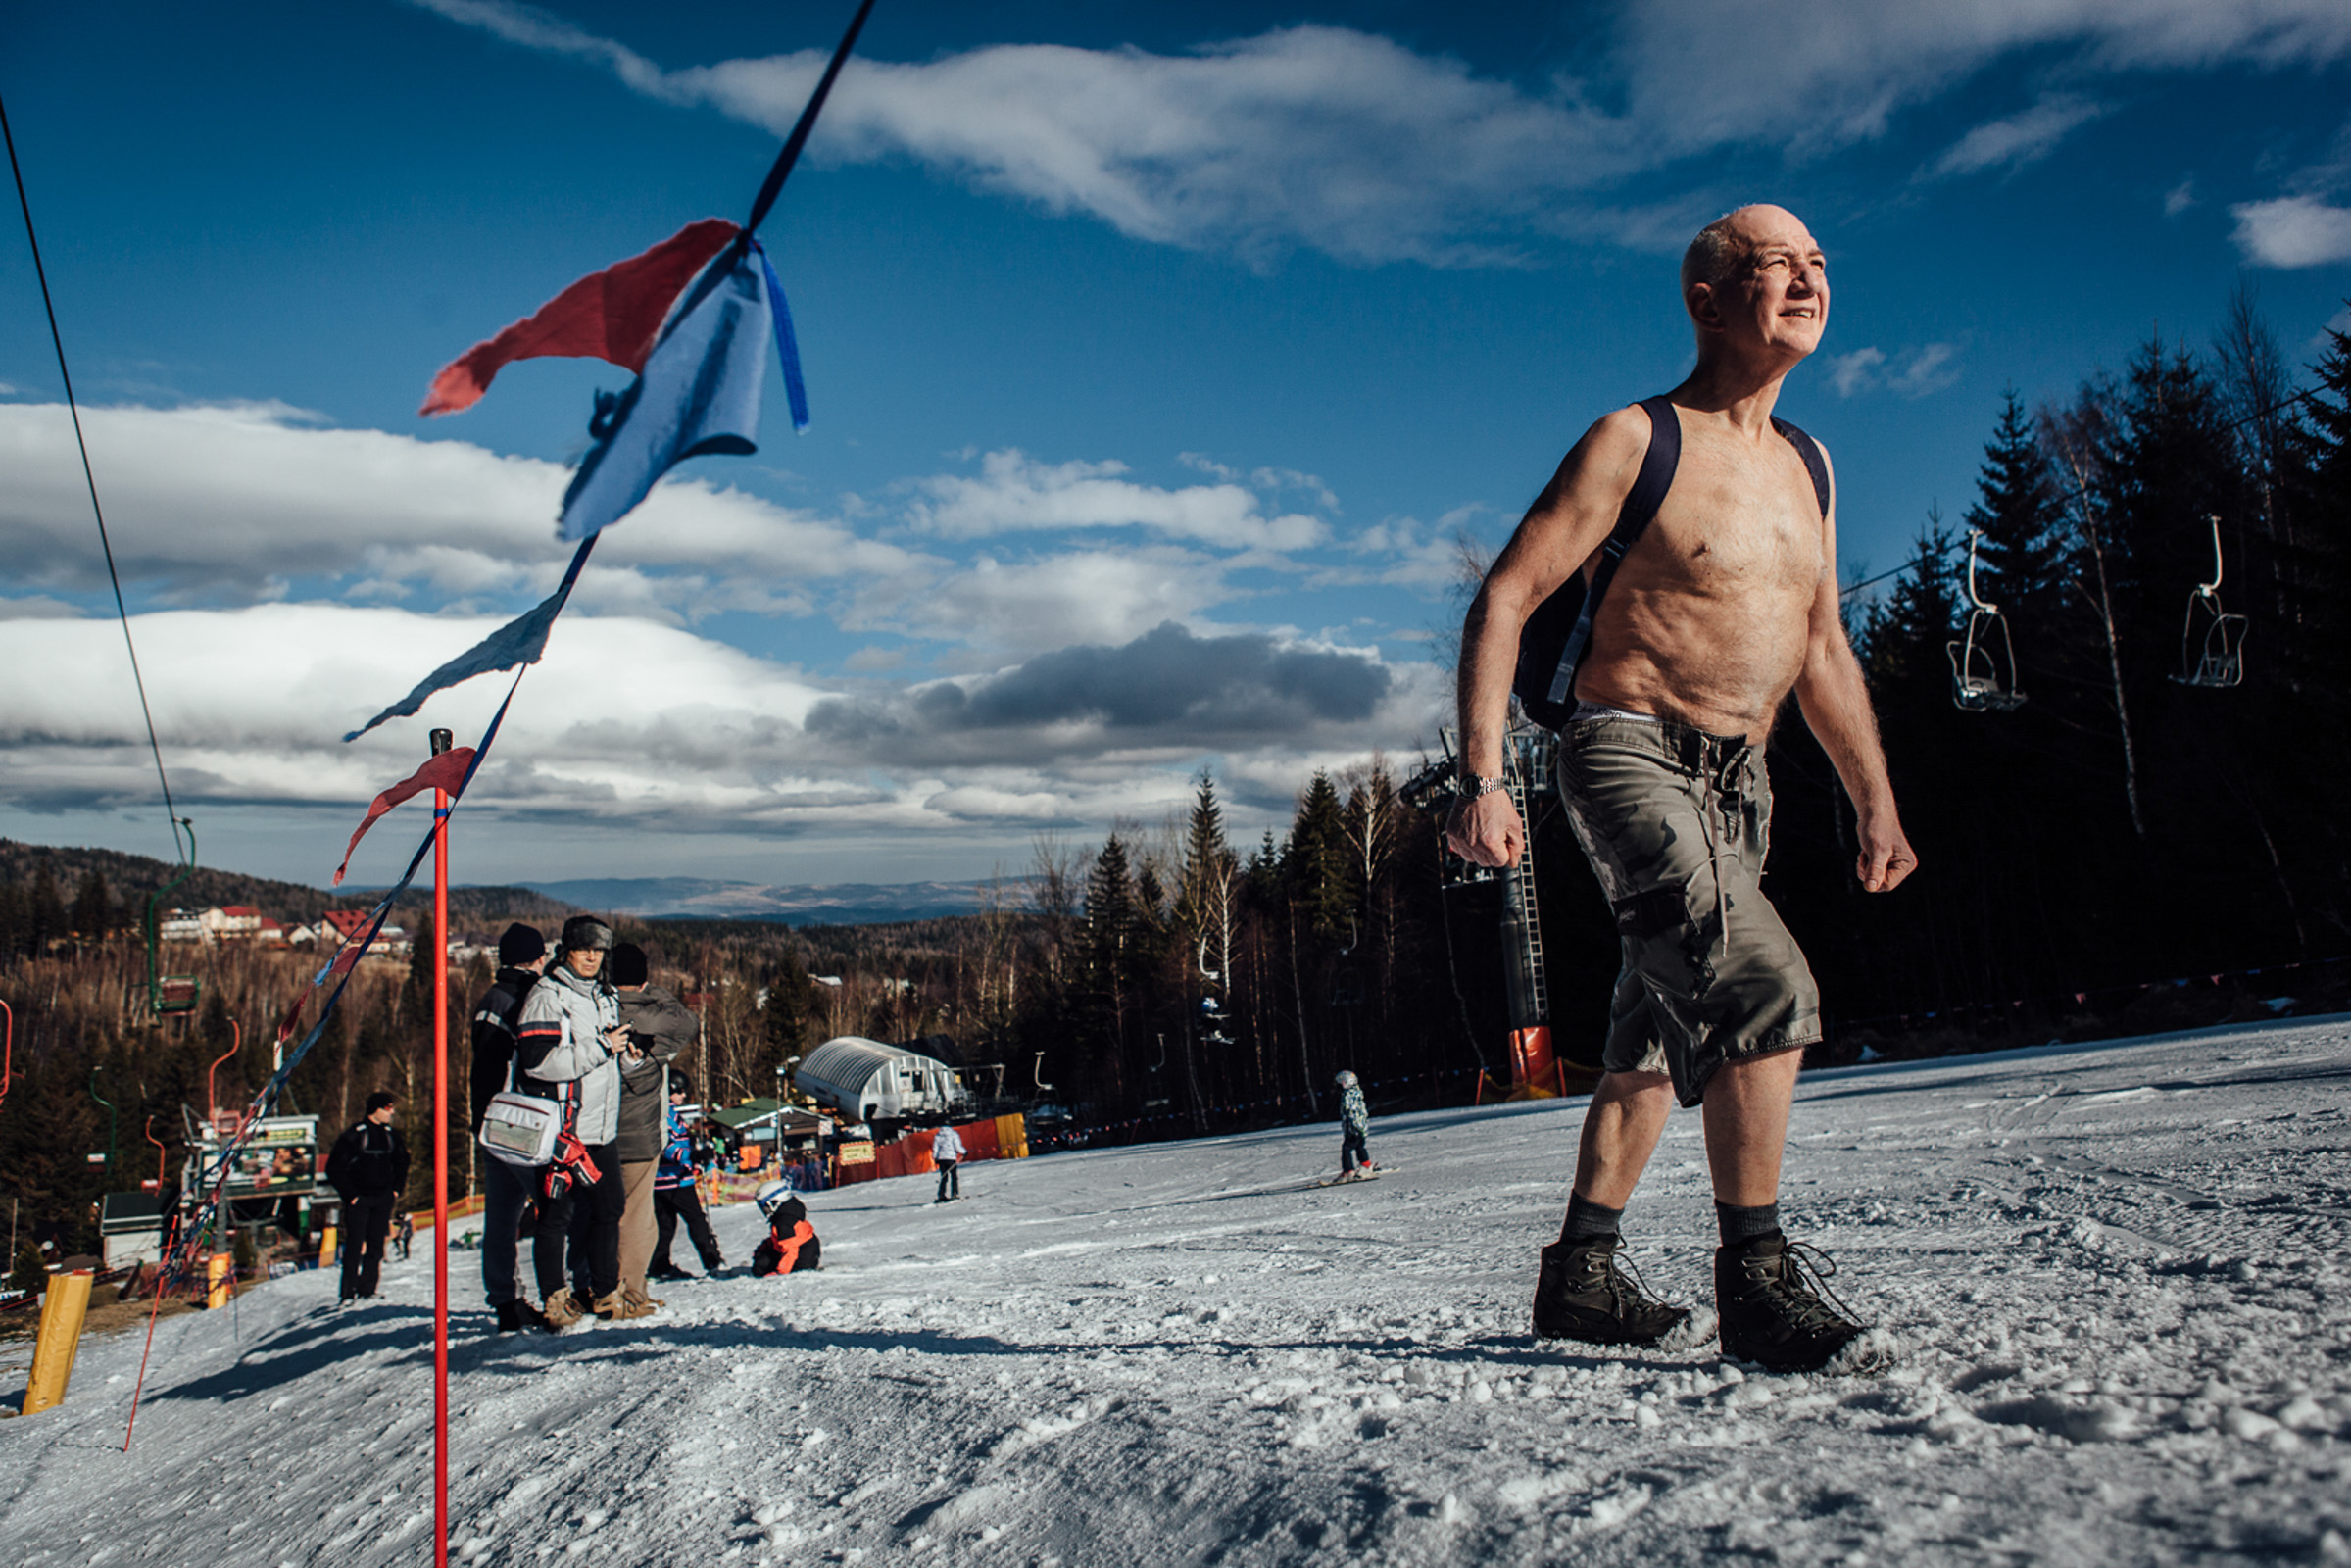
(1731, 243)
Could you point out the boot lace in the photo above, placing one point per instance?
(1799, 1285)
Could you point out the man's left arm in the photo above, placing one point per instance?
(1836, 704)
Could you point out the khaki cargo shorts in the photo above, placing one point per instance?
(1677, 823)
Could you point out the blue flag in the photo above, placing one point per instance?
(699, 393)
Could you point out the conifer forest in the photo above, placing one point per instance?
(2151, 837)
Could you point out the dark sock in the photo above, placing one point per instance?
(1587, 1219)
(1747, 1224)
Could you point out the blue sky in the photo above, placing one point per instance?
(1158, 356)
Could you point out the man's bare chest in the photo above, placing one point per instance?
(1732, 524)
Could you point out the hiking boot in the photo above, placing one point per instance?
(1769, 1292)
(515, 1315)
(666, 1271)
(616, 1305)
(1585, 1292)
(561, 1312)
(639, 1304)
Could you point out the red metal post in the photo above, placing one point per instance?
(212, 1101)
(440, 1166)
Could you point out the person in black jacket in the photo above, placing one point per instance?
(505, 1190)
(368, 1168)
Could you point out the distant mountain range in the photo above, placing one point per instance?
(686, 898)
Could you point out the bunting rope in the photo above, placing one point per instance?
(345, 962)
(185, 855)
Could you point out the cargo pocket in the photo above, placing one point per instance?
(1646, 916)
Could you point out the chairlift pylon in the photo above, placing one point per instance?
(2216, 659)
(1984, 661)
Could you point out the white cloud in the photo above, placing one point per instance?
(1348, 143)
(1855, 372)
(231, 500)
(1014, 492)
(1930, 370)
(1021, 606)
(2017, 140)
(1927, 370)
(2179, 198)
(628, 721)
(2292, 232)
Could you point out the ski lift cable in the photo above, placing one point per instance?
(104, 543)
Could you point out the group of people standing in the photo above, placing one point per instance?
(584, 1027)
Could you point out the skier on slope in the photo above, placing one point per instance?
(1354, 1125)
(947, 1151)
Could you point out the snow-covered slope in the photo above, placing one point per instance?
(2119, 1273)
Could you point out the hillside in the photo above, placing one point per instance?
(131, 877)
(2113, 1278)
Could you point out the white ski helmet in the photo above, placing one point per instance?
(1346, 1080)
(771, 1196)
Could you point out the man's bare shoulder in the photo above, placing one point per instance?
(1601, 468)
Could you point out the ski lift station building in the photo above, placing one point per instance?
(865, 1079)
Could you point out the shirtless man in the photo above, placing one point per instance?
(1722, 606)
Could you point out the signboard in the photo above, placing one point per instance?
(282, 1158)
(97, 1160)
(861, 1153)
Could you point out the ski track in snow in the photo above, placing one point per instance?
(2116, 1275)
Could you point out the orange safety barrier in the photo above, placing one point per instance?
(422, 1218)
(1012, 1137)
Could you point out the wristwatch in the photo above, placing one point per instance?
(1473, 787)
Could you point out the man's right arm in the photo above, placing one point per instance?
(1567, 522)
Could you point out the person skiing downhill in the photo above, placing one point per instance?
(1354, 1125)
(1724, 521)
(946, 1152)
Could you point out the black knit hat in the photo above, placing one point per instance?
(520, 945)
(380, 1099)
(626, 967)
(586, 931)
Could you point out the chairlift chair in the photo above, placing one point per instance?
(1984, 661)
(2216, 659)
(170, 995)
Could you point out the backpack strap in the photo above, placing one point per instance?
(1814, 462)
(1657, 476)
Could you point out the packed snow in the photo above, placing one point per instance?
(2116, 1276)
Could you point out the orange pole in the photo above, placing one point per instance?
(440, 1165)
(212, 1101)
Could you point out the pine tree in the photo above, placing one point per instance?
(93, 914)
(45, 917)
(1315, 863)
(2022, 514)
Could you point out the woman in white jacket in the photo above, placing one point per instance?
(946, 1150)
(570, 1047)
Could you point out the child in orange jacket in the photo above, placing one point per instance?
(791, 1244)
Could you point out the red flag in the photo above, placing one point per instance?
(612, 314)
(444, 772)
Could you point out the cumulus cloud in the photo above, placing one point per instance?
(628, 720)
(2017, 140)
(1016, 493)
(2292, 232)
(231, 501)
(1348, 143)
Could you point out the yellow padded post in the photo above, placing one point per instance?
(62, 1307)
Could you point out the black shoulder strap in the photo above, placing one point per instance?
(1656, 478)
(1814, 463)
